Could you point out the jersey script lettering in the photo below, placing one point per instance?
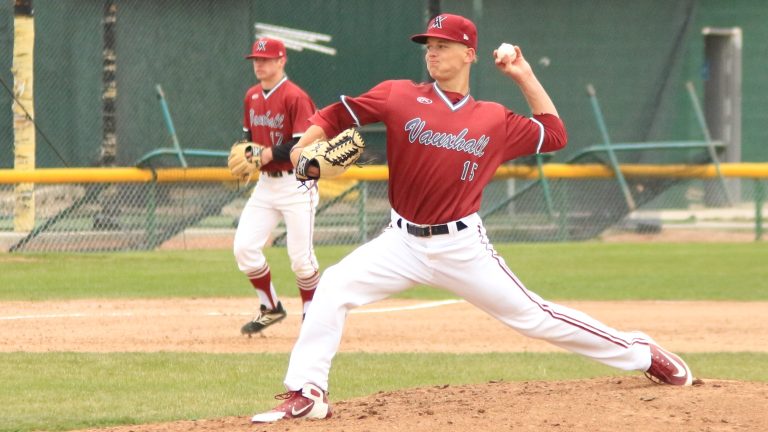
(416, 132)
(275, 122)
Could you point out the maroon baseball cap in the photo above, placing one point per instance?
(267, 48)
(451, 27)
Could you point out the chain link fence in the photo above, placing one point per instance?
(146, 216)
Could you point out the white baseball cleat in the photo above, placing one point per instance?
(308, 403)
(668, 368)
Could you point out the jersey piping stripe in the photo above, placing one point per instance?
(268, 94)
(541, 135)
(352, 113)
(312, 212)
(447, 101)
(557, 315)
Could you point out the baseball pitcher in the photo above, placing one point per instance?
(443, 147)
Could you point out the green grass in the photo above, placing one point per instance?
(569, 271)
(64, 391)
(199, 273)
(594, 271)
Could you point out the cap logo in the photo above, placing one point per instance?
(262, 46)
(466, 37)
(438, 22)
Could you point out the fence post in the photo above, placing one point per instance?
(151, 214)
(545, 186)
(759, 200)
(562, 220)
(362, 216)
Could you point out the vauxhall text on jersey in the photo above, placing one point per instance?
(441, 144)
(417, 133)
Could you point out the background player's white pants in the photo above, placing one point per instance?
(274, 199)
(465, 263)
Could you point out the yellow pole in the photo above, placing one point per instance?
(24, 129)
(756, 170)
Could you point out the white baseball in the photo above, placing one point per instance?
(506, 49)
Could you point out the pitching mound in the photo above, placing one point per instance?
(603, 404)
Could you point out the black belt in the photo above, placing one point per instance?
(278, 174)
(429, 230)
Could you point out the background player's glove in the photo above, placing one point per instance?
(244, 159)
(332, 157)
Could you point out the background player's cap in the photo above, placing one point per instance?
(267, 48)
(451, 27)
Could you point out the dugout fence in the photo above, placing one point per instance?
(117, 209)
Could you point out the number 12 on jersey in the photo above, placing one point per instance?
(468, 171)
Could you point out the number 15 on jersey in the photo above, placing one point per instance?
(468, 172)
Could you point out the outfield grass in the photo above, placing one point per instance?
(570, 271)
(62, 391)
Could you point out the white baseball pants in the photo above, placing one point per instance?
(465, 263)
(274, 199)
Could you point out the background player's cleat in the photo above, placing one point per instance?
(668, 368)
(265, 319)
(308, 403)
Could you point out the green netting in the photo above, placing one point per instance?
(637, 55)
(195, 50)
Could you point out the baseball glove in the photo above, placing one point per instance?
(331, 157)
(244, 159)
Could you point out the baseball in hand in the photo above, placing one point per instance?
(506, 49)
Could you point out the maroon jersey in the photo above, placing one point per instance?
(277, 117)
(442, 147)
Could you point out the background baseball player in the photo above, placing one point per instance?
(443, 147)
(276, 113)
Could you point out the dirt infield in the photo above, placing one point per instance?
(212, 325)
(633, 403)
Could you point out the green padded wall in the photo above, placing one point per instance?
(195, 50)
(638, 55)
(631, 53)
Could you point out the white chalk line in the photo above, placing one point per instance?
(428, 305)
(407, 308)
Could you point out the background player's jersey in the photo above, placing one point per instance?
(442, 147)
(277, 117)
